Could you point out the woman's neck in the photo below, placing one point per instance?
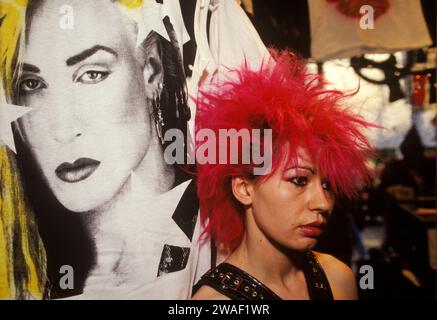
(116, 225)
(265, 260)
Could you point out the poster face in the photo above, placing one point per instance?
(99, 83)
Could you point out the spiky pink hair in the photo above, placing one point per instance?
(282, 96)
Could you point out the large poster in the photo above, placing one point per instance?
(98, 84)
(91, 205)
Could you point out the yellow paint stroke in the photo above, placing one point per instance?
(14, 226)
(131, 4)
(12, 16)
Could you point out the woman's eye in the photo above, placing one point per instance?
(299, 181)
(91, 77)
(31, 85)
(326, 185)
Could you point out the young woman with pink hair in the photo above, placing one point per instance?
(268, 224)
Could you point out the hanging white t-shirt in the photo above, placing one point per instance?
(335, 35)
(230, 41)
(372, 102)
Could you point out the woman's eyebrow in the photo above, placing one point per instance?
(88, 53)
(30, 68)
(304, 168)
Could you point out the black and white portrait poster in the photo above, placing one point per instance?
(89, 91)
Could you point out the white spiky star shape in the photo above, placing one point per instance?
(151, 20)
(8, 114)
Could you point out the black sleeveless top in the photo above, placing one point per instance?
(236, 284)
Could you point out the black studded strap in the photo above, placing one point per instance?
(317, 282)
(235, 284)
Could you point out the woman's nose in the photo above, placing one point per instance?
(66, 125)
(320, 199)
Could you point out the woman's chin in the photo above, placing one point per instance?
(306, 244)
(301, 245)
(79, 204)
(80, 208)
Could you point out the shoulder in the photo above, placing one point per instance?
(340, 276)
(208, 293)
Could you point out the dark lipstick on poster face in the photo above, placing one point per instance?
(77, 171)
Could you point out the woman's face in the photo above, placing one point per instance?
(292, 206)
(90, 126)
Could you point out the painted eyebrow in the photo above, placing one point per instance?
(305, 168)
(30, 68)
(88, 53)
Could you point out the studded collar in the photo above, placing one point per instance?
(237, 284)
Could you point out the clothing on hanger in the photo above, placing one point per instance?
(336, 35)
(372, 100)
(225, 39)
(388, 67)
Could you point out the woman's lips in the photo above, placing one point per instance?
(313, 229)
(77, 171)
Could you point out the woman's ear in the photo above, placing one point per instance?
(153, 73)
(242, 189)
